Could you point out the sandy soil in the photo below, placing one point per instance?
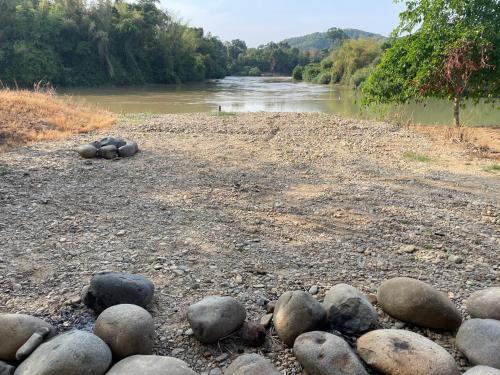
(249, 206)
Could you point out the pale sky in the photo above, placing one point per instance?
(261, 21)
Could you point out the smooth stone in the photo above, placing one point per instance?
(126, 329)
(485, 304)
(112, 141)
(251, 364)
(296, 313)
(321, 353)
(75, 353)
(482, 370)
(87, 151)
(15, 330)
(479, 340)
(108, 152)
(266, 320)
(6, 369)
(416, 302)
(348, 310)
(214, 318)
(399, 352)
(150, 365)
(107, 289)
(130, 149)
(253, 334)
(33, 342)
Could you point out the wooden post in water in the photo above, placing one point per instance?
(220, 109)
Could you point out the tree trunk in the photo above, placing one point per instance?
(456, 111)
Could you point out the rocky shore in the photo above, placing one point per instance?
(250, 207)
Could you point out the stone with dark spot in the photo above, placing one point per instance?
(479, 340)
(416, 302)
(400, 352)
(253, 334)
(107, 289)
(251, 364)
(348, 310)
(108, 152)
(296, 313)
(321, 353)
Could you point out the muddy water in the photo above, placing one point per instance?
(271, 94)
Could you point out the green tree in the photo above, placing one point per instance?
(442, 48)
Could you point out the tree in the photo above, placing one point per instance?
(444, 49)
(336, 36)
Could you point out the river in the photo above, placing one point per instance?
(273, 94)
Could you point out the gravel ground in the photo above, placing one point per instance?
(249, 206)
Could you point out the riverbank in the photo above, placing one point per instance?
(250, 206)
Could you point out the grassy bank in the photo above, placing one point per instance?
(27, 116)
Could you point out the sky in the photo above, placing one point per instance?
(261, 21)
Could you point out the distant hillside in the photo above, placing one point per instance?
(320, 40)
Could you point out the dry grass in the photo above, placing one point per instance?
(27, 116)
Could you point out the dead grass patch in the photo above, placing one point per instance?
(27, 116)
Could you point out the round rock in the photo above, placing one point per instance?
(399, 352)
(296, 313)
(253, 334)
(127, 329)
(130, 149)
(110, 288)
(485, 304)
(214, 317)
(87, 151)
(112, 141)
(482, 370)
(348, 310)
(251, 364)
(479, 340)
(321, 353)
(108, 152)
(15, 330)
(416, 302)
(151, 365)
(75, 353)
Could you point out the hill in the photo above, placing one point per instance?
(317, 41)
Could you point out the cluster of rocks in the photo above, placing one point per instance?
(338, 336)
(108, 148)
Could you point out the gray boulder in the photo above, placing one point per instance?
(348, 310)
(129, 149)
(75, 353)
(150, 365)
(416, 302)
(485, 304)
(112, 141)
(6, 369)
(321, 353)
(127, 329)
(15, 330)
(479, 340)
(110, 288)
(251, 364)
(482, 370)
(108, 152)
(399, 352)
(33, 342)
(214, 318)
(87, 151)
(296, 313)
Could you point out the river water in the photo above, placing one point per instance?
(273, 94)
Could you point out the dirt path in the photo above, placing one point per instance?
(248, 206)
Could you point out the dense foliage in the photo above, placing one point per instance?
(75, 42)
(442, 48)
(351, 63)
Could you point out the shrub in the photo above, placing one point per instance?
(323, 78)
(297, 73)
(311, 71)
(254, 72)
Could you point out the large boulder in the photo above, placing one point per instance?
(75, 353)
(485, 304)
(321, 353)
(482, 370)
(108, 152)
(399, 352)
(416, 302)
(111, 288)
(15, 330)
(150, 365)
(251, 364)
(214, 317)
(87, 151)
(296, 313)
(348, 310)
(129, 149)
(112, 141)
(127, 329)
(479, 340)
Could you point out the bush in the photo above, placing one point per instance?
(310, 72)
(297, 73)
(360, 76)
(254, 72)
(323, 78)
